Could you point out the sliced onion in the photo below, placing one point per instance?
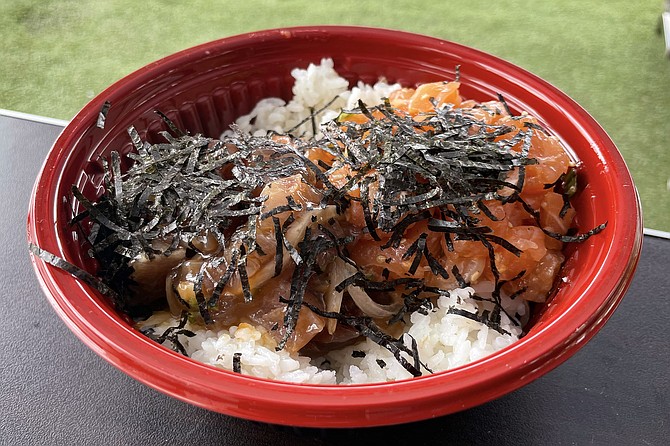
(294, 235)
(369, 306)
(333, 298)
(339, 271)
(175, 306)
(180, 285)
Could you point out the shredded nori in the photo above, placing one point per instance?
(70, 268)
(102, 115)
(302, 273)
(482, 318)
(439, 170)
(237, 362)
(366, 327)
(171, 334)
(175, 191)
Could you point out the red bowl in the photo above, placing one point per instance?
(205, 88)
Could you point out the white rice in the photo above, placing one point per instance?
(314, 89)
(444, 340)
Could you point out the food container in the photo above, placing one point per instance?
(203, 89)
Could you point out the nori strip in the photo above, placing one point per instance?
(312, 116)
(76, 271)
(370, 222)
(199, 297)
(279, 253)
(237, 362)
(482, 207)
(503, 243)
(578, 238)
(135, 137)
(280, 209)
(435, 267)
(504, 103)
(369, 329)
(420, 246)
(116, 178)
(459, 278)
(295, 255)
(171, 125)
(412, 303)
(355, 279)
(455, 227)
(365, 326)
(566, 186)
(244, 279)
(478, 318)
(172, 334)
(102, 115)
(575, 238)
(386, 285)
(311, 248)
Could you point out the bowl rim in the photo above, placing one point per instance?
(348, 406)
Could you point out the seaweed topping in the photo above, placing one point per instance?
(237, 362)
(173, 193)
(102, 115)
(482, 318)
(302, 273)
(70, 268)
(407, 356)
(171, 334)
(439, 170)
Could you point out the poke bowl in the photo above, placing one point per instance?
(203, 90)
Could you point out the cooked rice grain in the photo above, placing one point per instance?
(315, 87)
(444, 341)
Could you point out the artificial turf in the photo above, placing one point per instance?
(608, 56)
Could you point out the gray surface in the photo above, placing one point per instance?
(54, 390)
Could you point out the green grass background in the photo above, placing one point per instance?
(607, 55)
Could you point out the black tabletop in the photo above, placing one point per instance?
(54, 390)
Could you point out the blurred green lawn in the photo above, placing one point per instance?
(58, 54)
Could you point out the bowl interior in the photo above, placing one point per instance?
(205, 88)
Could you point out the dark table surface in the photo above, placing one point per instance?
(54, 390)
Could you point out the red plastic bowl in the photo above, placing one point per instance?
(204, 88)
